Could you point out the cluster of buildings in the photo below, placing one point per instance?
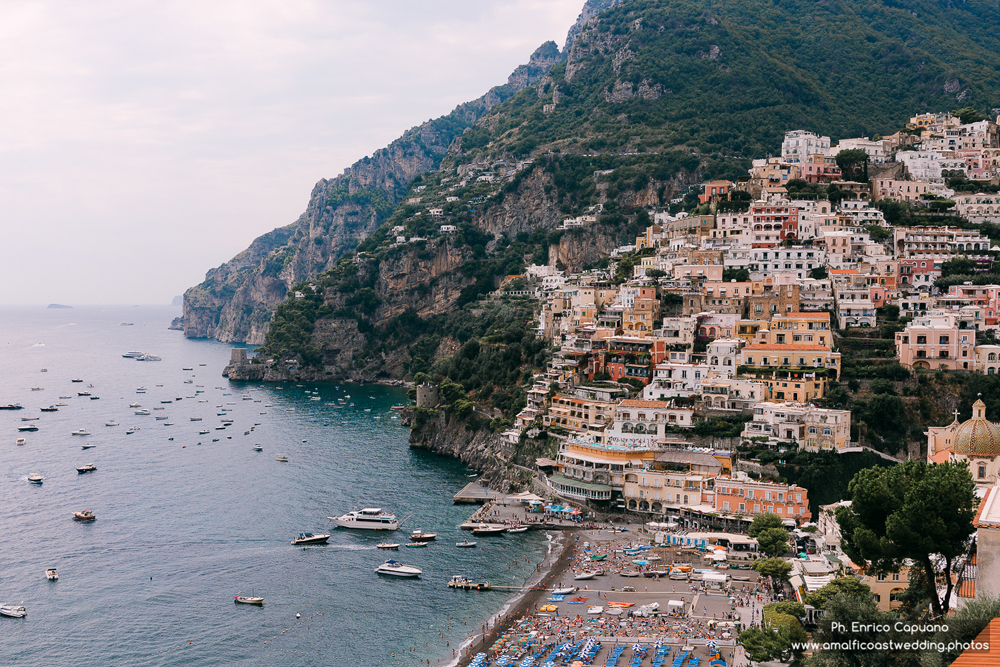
(733, 311)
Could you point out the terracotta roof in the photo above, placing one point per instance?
(635, 403)
(788, 346)
(843, 271)
(942, 456)
(978, 657)
(966, 589)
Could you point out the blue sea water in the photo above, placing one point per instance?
(185, 524)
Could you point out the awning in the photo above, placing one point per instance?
(717, 555)
(675, 603)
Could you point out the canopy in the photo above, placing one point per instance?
(675, 603)
(714, 577)
(670, 525)
(527, 497)
(717, 555)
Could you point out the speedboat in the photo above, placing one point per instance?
(282, 458)
(488, 530)
(30, 419)
(83, 393)
(458, 581)
(111, 423)
(131, 430)
(80, 431)
(85, 515)
(247, 599)
(465, 544)
(38, 389)
(203, 432)
(585, 575)
(125, 324)
(258, 448)
(565, 590)
(51, 574)
(396, 569)
(370, 518)
(14, 611)
(51, 408)
(389, 546)
(595, 610)
(90, 467)
(415, 545)
(310, 538)
(20, 441)
(88, 446)
(166, 401)
(144, 411)
(134, 405)
(76, 380)
(30, 427)
(518, 529)
(421, 536)
(12, 406)
(35, 478)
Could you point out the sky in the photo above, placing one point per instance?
(143, 143)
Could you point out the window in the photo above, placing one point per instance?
(921, 340)
(982, 472)
(743, 507)
(944, 340)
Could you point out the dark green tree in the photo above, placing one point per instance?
(773, 541)
(853, 164)
(764, 521)
(773, 567)
(847, 585)
(914, 511)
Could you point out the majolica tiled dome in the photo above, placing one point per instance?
(977, 436)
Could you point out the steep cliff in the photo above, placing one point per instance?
(236, 301)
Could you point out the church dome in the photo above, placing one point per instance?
(978, 436)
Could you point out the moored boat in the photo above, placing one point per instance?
(421, 536)
(394, 568)
(14, 611)
(388, 546)
(51, 574)
(311, 538)
(80, 431)
(35, 478)
(20, 441)
(248, 599)
(51, 408)
(489, 530)
(416, 545)
(85, 515)
(465, 544)
(27, 429)
(282, 458)
(370, 518)
(90, 467)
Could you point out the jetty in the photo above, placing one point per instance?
(475, 493)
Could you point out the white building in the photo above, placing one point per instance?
(643, 423)
(874, 149)
(721, 355)
(804, 424)
(800, 143)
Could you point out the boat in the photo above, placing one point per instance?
(398, 407)
(248, 599)
(162, 418)
(518, 529)
(595, 610)
(35, 478)
(131, 430)
(370, 518)
(421, 536)
(187, 369)
(166, 401)
(203, 432)
(63, 405)
(30, 419)
(12, 406)
(83, 393)
(458, 581)
(134, 405)
(76, 380)
(30, 427)
(258, 448)
(38, 389)
(144, 411)
(44, 370)
(14, 611)
(565, 590)
(196, 419)
(415, 545)
(126, 324)
(88, 446)
(80, 431)
(394, 568)
(95, 398)
(51, 408)
(85, 515)
(90, 467)
(487, 530)
(465, 544)
(630, 573)
(389, 546)
(585, 575)
(148, 357)
(51, 574)
(141, 389)
(19, 441)
(111, 423)
(598, 557)
(311, 538)
(282, 458)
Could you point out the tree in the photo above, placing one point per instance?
(819, 273)
(968, 115)
(655, 273)
(883, 386)
(853, 164)
(886, 415)
(773, 567)
(846, 585)
(877, 233)
(739, 275)
(762, 522)
(959, 266)
(796, 609)
(913, 511)
(836, 631)
(773, 541)
(764, 645)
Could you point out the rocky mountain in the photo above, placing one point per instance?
(236, 301)
(652, 97)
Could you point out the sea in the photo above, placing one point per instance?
(186, 520)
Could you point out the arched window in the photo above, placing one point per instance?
(626, 427)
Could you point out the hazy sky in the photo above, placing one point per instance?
(142, 143)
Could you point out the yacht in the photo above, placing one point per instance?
(90, 467)
(133, 355)
(421, 536)
(85, 515)
(488, 530)
(162, 418)
(80, 431)
(111, 423)
(35, 478)
(51, 574)
(148, 357)
(310, 538)
(396, 569)
(14, 611)
(83, 393)
(12, 406)
(29, 427)
(131, 430)
(51, 408)
(370, 518)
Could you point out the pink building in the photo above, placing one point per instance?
(935, 342)
(820, 169)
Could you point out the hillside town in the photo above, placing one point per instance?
(738, 310)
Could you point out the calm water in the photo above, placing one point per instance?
(185, 524)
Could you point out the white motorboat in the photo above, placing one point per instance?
(51, 574)
(90, 467)
(148, 357)
(282, 458)
(144, 411)
(248, 599)
(80, 431)
(203, 432)
(595, 610)
(84, 515)
(311, 538)
(14, 611)
(370, 518)
(613, 611)
(162, 418)
(394, 568)
(585, 575)
(30, 419)
(465, 544)
(132, 430)
(27, 429)
(388, 546)
(38, 389)
(111, 423)
(258, 448)
(196, 419)
(518, 529)
(421, 536)
(35, 478)
(20, 441)
(565, 590)
(134, 405)
(51, 408)
(83, 393)
(489, 530)
(133, 354)
(87, 446)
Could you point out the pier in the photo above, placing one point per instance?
(475, 493)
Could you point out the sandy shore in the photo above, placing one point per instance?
(524, 603)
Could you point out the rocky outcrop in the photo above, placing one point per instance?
(236, 301)
(177, 324)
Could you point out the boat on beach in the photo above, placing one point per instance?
(394, 568)
(564, 590)
(585, 575)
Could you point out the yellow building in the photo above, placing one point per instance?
(888, 587)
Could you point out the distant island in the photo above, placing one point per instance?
(178, 301)
(58, 305)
